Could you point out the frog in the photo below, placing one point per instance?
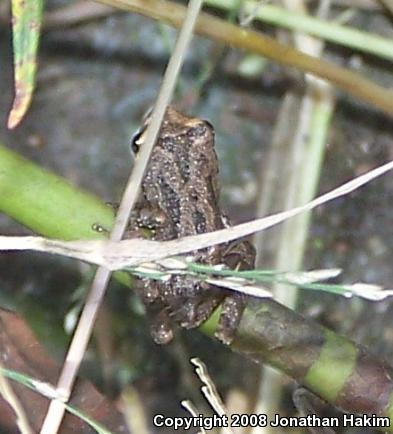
(180, 197)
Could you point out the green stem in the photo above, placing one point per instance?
(48, 205)
(329, 31)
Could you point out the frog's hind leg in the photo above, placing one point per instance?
(195, 310)
(231, 314)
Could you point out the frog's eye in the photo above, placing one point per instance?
(208, 124)
(137, 141)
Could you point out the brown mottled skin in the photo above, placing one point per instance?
(179, 198)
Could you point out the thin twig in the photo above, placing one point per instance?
(210, 391)
(83, 332)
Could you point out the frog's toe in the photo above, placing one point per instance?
(161, 329)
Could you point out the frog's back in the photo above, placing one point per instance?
(181, 178)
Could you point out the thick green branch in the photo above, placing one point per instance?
(46, 203)
(338, 370)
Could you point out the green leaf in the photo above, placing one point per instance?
(26, 27)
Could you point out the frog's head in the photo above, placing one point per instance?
(174, 124)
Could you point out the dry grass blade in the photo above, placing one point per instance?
(189, 406)
(210, 391)
(75, 13)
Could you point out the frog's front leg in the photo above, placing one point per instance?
(239, 255)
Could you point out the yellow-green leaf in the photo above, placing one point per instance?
(26, 26)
